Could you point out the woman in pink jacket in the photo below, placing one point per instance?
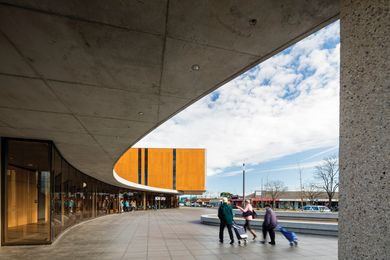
(247, 213)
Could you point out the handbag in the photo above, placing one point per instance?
(254, 214)
(247, 214)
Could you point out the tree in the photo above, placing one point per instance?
(274, 188)
(226, 194)
(328, 173)
(311, 191)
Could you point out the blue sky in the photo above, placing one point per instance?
(278, 116)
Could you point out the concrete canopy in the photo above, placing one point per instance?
(96, 76)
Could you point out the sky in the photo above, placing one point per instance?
(278, 117)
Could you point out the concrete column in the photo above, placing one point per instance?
(364, 218)
(1, 177)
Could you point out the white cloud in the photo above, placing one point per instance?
(288, 104)
(334, 149)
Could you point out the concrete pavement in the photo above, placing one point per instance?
(165, 234)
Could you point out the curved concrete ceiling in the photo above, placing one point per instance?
(136, 186)
(96, 76)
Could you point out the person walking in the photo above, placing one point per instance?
(225, 215)
(269, 224)
(131, 205)
(247, 213)
(121, 205)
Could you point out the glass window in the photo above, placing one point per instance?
(66, 222)
(85, 183)
(27, 187)
(57, 194)
(78, 204)
(34, 186)
(71, 196)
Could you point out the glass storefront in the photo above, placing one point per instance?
(43, 194)
(78, 197)
(27, 189)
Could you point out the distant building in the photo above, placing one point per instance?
(287, 199)
(181, 170)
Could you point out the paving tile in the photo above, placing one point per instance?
(207, 257)
(183, 257)
(200, 252)
(180, 253)
(135, 254)
(159, 258)
(158, 253)
(165, 234)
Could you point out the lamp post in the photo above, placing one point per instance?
(243, 184)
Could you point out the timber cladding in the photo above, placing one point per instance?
(178, 169)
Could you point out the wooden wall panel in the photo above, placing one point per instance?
(127, 165)
(190, 169)
(160, 168)
(143, 166)
(22, 198)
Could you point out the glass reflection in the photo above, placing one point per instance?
(42, 190)
(77, 196)
(31, 179)
(27, 218)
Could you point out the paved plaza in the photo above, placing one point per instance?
(165, 234)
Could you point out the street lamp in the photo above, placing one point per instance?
(243, 184)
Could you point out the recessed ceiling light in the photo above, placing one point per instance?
(195, 67)
(252, 22)
(140, 113)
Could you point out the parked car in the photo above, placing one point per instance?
(314, 208)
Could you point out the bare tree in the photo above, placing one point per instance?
(312, 191)
(328, 173)
(274, 188)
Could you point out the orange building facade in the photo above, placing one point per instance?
(167, 168)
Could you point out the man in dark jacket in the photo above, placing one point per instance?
(225, 215)
(269, 224)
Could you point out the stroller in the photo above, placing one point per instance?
(291, 236)
(240, 233)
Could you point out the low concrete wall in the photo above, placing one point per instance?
(305, 227)
(291, 215)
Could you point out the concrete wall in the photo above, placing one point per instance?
(328, 216)
(1, 187)
(364, 218)
(304, 227)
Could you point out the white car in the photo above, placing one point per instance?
(313, 208)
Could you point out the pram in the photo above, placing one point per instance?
(291, 236)
(240, 233)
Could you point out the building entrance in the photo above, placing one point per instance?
(43, 195)
(27, 185)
